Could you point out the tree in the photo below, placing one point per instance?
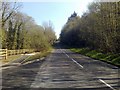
(69, 32)
(49, 32)
(98, 28)
(7, 10)
(19, 31)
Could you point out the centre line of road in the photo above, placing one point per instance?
(72, 59)
(67, 55)
(77, 63)
(107, 84)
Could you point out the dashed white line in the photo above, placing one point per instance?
(82, 67)
(77, 63)
(72, 59)
(107, 84)
(67, 55)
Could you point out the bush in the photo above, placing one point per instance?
(116, 61)
(111, 58)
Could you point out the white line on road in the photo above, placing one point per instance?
(107, 84)
(77, 63)
(67, 55)
(72, 59)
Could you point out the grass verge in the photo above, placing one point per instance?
(109, 58)
(10, 58)
(38, 55)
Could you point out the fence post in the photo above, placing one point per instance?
(5, 53)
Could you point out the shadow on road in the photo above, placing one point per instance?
(20, 76)
(18, 88)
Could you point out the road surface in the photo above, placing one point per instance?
(62, 69)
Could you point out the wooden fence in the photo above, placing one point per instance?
(4, 53)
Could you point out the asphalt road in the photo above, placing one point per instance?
(62, 69)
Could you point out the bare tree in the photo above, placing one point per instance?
(7, 10)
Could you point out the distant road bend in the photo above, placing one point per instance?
(65, 69)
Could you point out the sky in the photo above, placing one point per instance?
(56, 12)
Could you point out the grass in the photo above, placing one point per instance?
(110, 58)
(10, 58)
(38, 55)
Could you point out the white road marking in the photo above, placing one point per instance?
(72, 59)
(64, 52)
(77, 63)
(107, 84)
(67, 55)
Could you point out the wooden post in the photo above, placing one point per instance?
(5, 53)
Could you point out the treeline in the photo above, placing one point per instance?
(19, 31)
(98, 28)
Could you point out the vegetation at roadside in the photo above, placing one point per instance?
(10, 58)
(20, 31)
(108, 57)
(98, 28)
(38, 55)
(96, 33)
